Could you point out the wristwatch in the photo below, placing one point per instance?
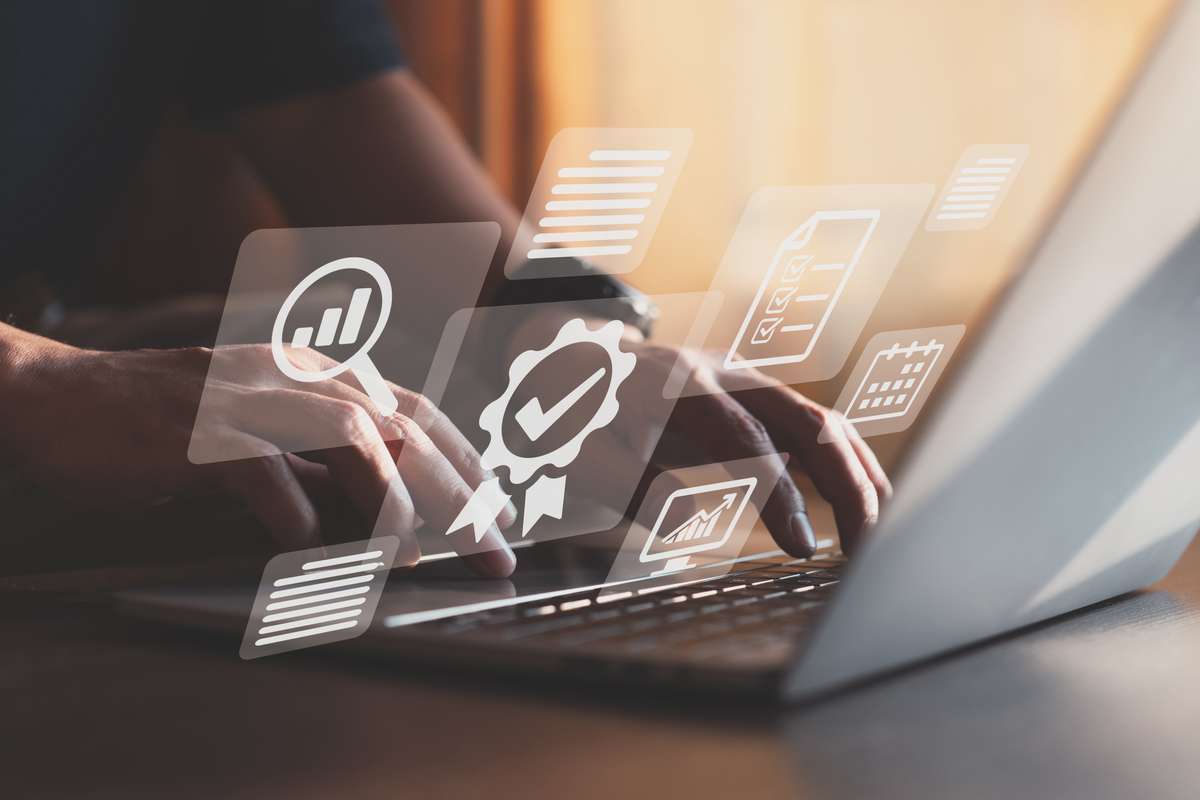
(544, 282)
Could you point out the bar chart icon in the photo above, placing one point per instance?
(328, 329)
(317, 596)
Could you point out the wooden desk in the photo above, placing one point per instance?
(1102, 704)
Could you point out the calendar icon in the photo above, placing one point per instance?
(894, 377)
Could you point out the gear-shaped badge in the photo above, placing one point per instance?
(546, 496)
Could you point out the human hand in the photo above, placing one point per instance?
(113, 428)
(725, 415)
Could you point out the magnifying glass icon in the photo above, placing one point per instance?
(360, 364)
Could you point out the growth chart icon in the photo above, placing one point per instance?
(720, 506)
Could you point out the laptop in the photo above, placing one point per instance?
(1054, 468)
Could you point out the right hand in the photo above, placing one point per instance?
(113, 428)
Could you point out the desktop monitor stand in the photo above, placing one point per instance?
(674, 565)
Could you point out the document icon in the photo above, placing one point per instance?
(981, 179)
(801, 288)
(599, 196)
(317, 596)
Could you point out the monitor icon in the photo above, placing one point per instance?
(718, 506)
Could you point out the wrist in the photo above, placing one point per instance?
(24, 359)
(539, 328)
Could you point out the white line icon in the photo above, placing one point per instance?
(546, 496)
(360, 363)
(600, 194)
(698, 533)
(894, 379)
(801, 288)
(590, 229)
(980, 181)
(317, 596)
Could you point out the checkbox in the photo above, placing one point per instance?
(780, 300)
(795, 268)
(765, 330)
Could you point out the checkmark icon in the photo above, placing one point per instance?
(535, 422)
(779, 299)
(765, 330)
(795, 268)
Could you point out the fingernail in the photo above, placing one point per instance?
(802, 532)
(408, 553)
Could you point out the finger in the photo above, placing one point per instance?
(834, 467)
(452, 444)
(440, 493)
(340, 521)
(875, 471)
(314, 478)
(728, 430)
(363, 468)
(446, 436)
(272, 492)
(606, 475)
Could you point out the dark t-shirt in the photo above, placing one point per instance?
(85, 83)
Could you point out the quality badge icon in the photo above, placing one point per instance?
(546, 496)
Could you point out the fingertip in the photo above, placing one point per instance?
(803, 538)
(501, 562)
(849, 532)
(507, 517)
(498, 563)
(408, 553)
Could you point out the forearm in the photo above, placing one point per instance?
(19, 353)
(379, 152)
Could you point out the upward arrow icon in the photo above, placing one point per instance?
(701, 524)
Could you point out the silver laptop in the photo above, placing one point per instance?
(1055, 468)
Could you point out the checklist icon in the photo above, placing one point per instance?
(801, 288)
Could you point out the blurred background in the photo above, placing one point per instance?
(776, 92)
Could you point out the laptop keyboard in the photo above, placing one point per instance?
(754, 612)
